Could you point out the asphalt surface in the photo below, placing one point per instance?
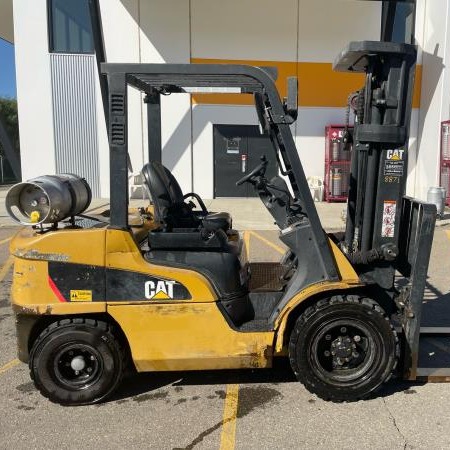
(186, 410)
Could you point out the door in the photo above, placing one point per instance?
(237, 151)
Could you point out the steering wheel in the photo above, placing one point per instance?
(259, 170)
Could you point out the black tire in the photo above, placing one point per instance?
(77, 361)
(343, 348)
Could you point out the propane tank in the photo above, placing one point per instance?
(436, 195)
(335, 149)
(336, 182)
(48, 199)
(445, 178)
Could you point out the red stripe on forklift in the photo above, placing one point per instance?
(56, 291)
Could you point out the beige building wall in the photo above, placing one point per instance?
(434, 40)
(299, 37)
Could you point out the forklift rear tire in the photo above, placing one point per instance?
(77, 361)
(343, 348)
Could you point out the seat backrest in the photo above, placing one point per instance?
(176, 194)
(164, 188)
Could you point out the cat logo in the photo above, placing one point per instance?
(394, 155)
(159, 290)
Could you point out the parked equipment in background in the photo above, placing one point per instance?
(338, 149)
(445, 159)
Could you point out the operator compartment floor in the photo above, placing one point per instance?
(266, 276)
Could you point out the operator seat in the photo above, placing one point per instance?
(170, 206)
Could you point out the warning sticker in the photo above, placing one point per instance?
(80, 295)
(233, 145)
(388, 224)
(393, 168)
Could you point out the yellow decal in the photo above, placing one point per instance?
(77, 295)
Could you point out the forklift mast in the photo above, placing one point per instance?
(379, 161)
(380, 141)
(388, 233)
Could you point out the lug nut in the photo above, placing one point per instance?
(357, 338)
(326, 353)
(328, 337)
(343, 330)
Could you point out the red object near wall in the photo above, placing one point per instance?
(445, 159)
(337, 164)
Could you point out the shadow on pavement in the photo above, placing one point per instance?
(436, 307)
(137, 384)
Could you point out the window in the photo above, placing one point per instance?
(398, 21)
(70, 28)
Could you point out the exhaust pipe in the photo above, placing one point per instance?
(48, 199)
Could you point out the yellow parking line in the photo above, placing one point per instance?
(5, 241)
(246, 238)
(9, 365)
(267, 242)
(228, 436)
(5, 269)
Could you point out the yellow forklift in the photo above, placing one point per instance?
(174, 290)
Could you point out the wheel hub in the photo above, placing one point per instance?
(77, 366)
(343, 350)
(78, 363)
(342, 346)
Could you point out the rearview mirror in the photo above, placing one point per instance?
(290, 102)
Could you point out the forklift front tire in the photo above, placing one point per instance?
(343, 348)
(77, 361)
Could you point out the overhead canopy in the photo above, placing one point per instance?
(178, 77)
(6, 20)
